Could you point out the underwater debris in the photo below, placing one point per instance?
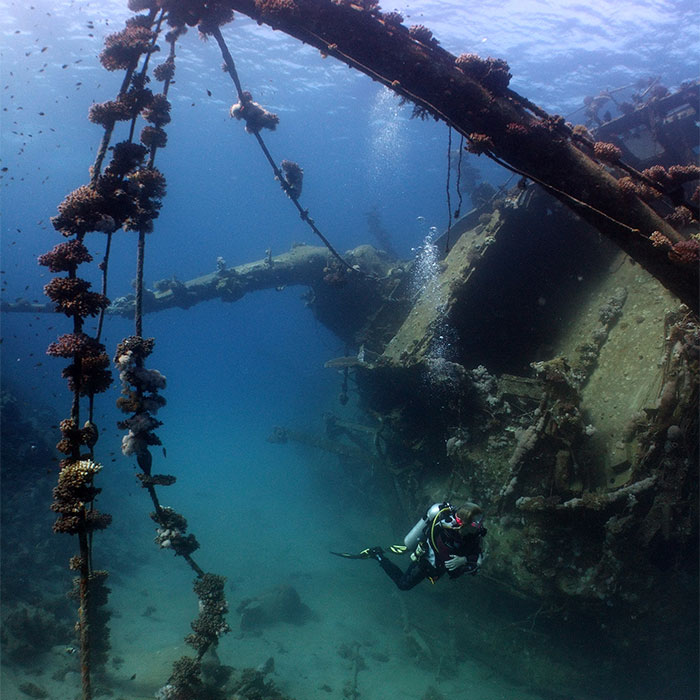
(32, 690)
(279, 604)
(30, 631)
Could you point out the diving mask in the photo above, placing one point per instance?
(477, 524)
(452, 521)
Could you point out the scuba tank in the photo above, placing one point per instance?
(414, 535)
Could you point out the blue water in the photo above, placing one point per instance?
(236, 370)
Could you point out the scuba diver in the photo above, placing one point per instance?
(445, 539)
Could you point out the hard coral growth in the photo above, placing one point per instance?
(271, 8)
(685, 252)
(215, 13)
(210, 623)
(71, 439)
(150, 183)
(395, 19)
(65, 257)
(171, 532)
(124, 108)
(80, 212)
(148, 187)
(684, 173)
(123, 49)
(73, 491)
(658, 174)
(680, 217)
(75, 345)
(140, 347)
(79, 473)
(607, 152)
(91, 377)
(631, 188)
(255, 116)
(95, 520)
(106, 113)
(480, 143)
(126, 156)
(156, 480)
(153, 137)
(140, 396)
(165, 71)
(422, 34)
(72, 297)
(493, 73)
(206, 15)
(516, 130)
(157, 111)
(294, 176)
(185, 680)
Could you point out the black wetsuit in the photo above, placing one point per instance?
(448, 544)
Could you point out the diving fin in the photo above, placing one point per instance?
(370, 552)
(364, 554)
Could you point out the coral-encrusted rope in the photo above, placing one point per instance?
(304, 213)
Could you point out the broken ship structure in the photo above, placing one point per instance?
(544, 374)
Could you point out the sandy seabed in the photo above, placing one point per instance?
(353, 606)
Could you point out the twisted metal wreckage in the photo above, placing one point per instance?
(589, 466)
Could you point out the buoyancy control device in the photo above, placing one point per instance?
(416, 534)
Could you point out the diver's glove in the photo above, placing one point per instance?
(376, 553)
(418, 552)
(455, 562)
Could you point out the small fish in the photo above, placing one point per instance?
(71, 650)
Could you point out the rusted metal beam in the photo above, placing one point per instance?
(516, 131)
